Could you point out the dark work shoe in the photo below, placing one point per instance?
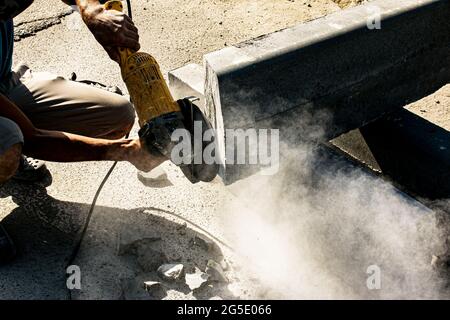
(31, 170)
(7, 248)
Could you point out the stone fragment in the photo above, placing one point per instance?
(196, 280)
(171, 271)
(154, 289)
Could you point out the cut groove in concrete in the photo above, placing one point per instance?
(29, 28)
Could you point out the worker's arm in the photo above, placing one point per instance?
(112, 29)
(42, 144)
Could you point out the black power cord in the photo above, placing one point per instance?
(130, 14)
(89, 216)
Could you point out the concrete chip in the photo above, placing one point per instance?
(171, 271)
(196, 280)
(155, 289)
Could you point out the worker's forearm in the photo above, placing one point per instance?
(66, 147)
(61, 146)
(111, 28)
(71, 147)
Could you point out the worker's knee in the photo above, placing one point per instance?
(9, 162)
(125, 112)
(122, 116)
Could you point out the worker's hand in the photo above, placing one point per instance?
(142, 159)
(111, 28)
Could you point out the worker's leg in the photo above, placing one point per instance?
(11, 140)
(62, 108)
(54, 103)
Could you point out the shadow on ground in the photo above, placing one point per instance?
(130, 245)
(46, 229)
(43, 230)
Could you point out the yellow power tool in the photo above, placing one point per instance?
(159, 114)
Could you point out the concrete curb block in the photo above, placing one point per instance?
(334, 66)
(333, 73)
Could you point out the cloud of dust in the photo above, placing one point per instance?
(313, 230)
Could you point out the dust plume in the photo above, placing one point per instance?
(316, 228)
